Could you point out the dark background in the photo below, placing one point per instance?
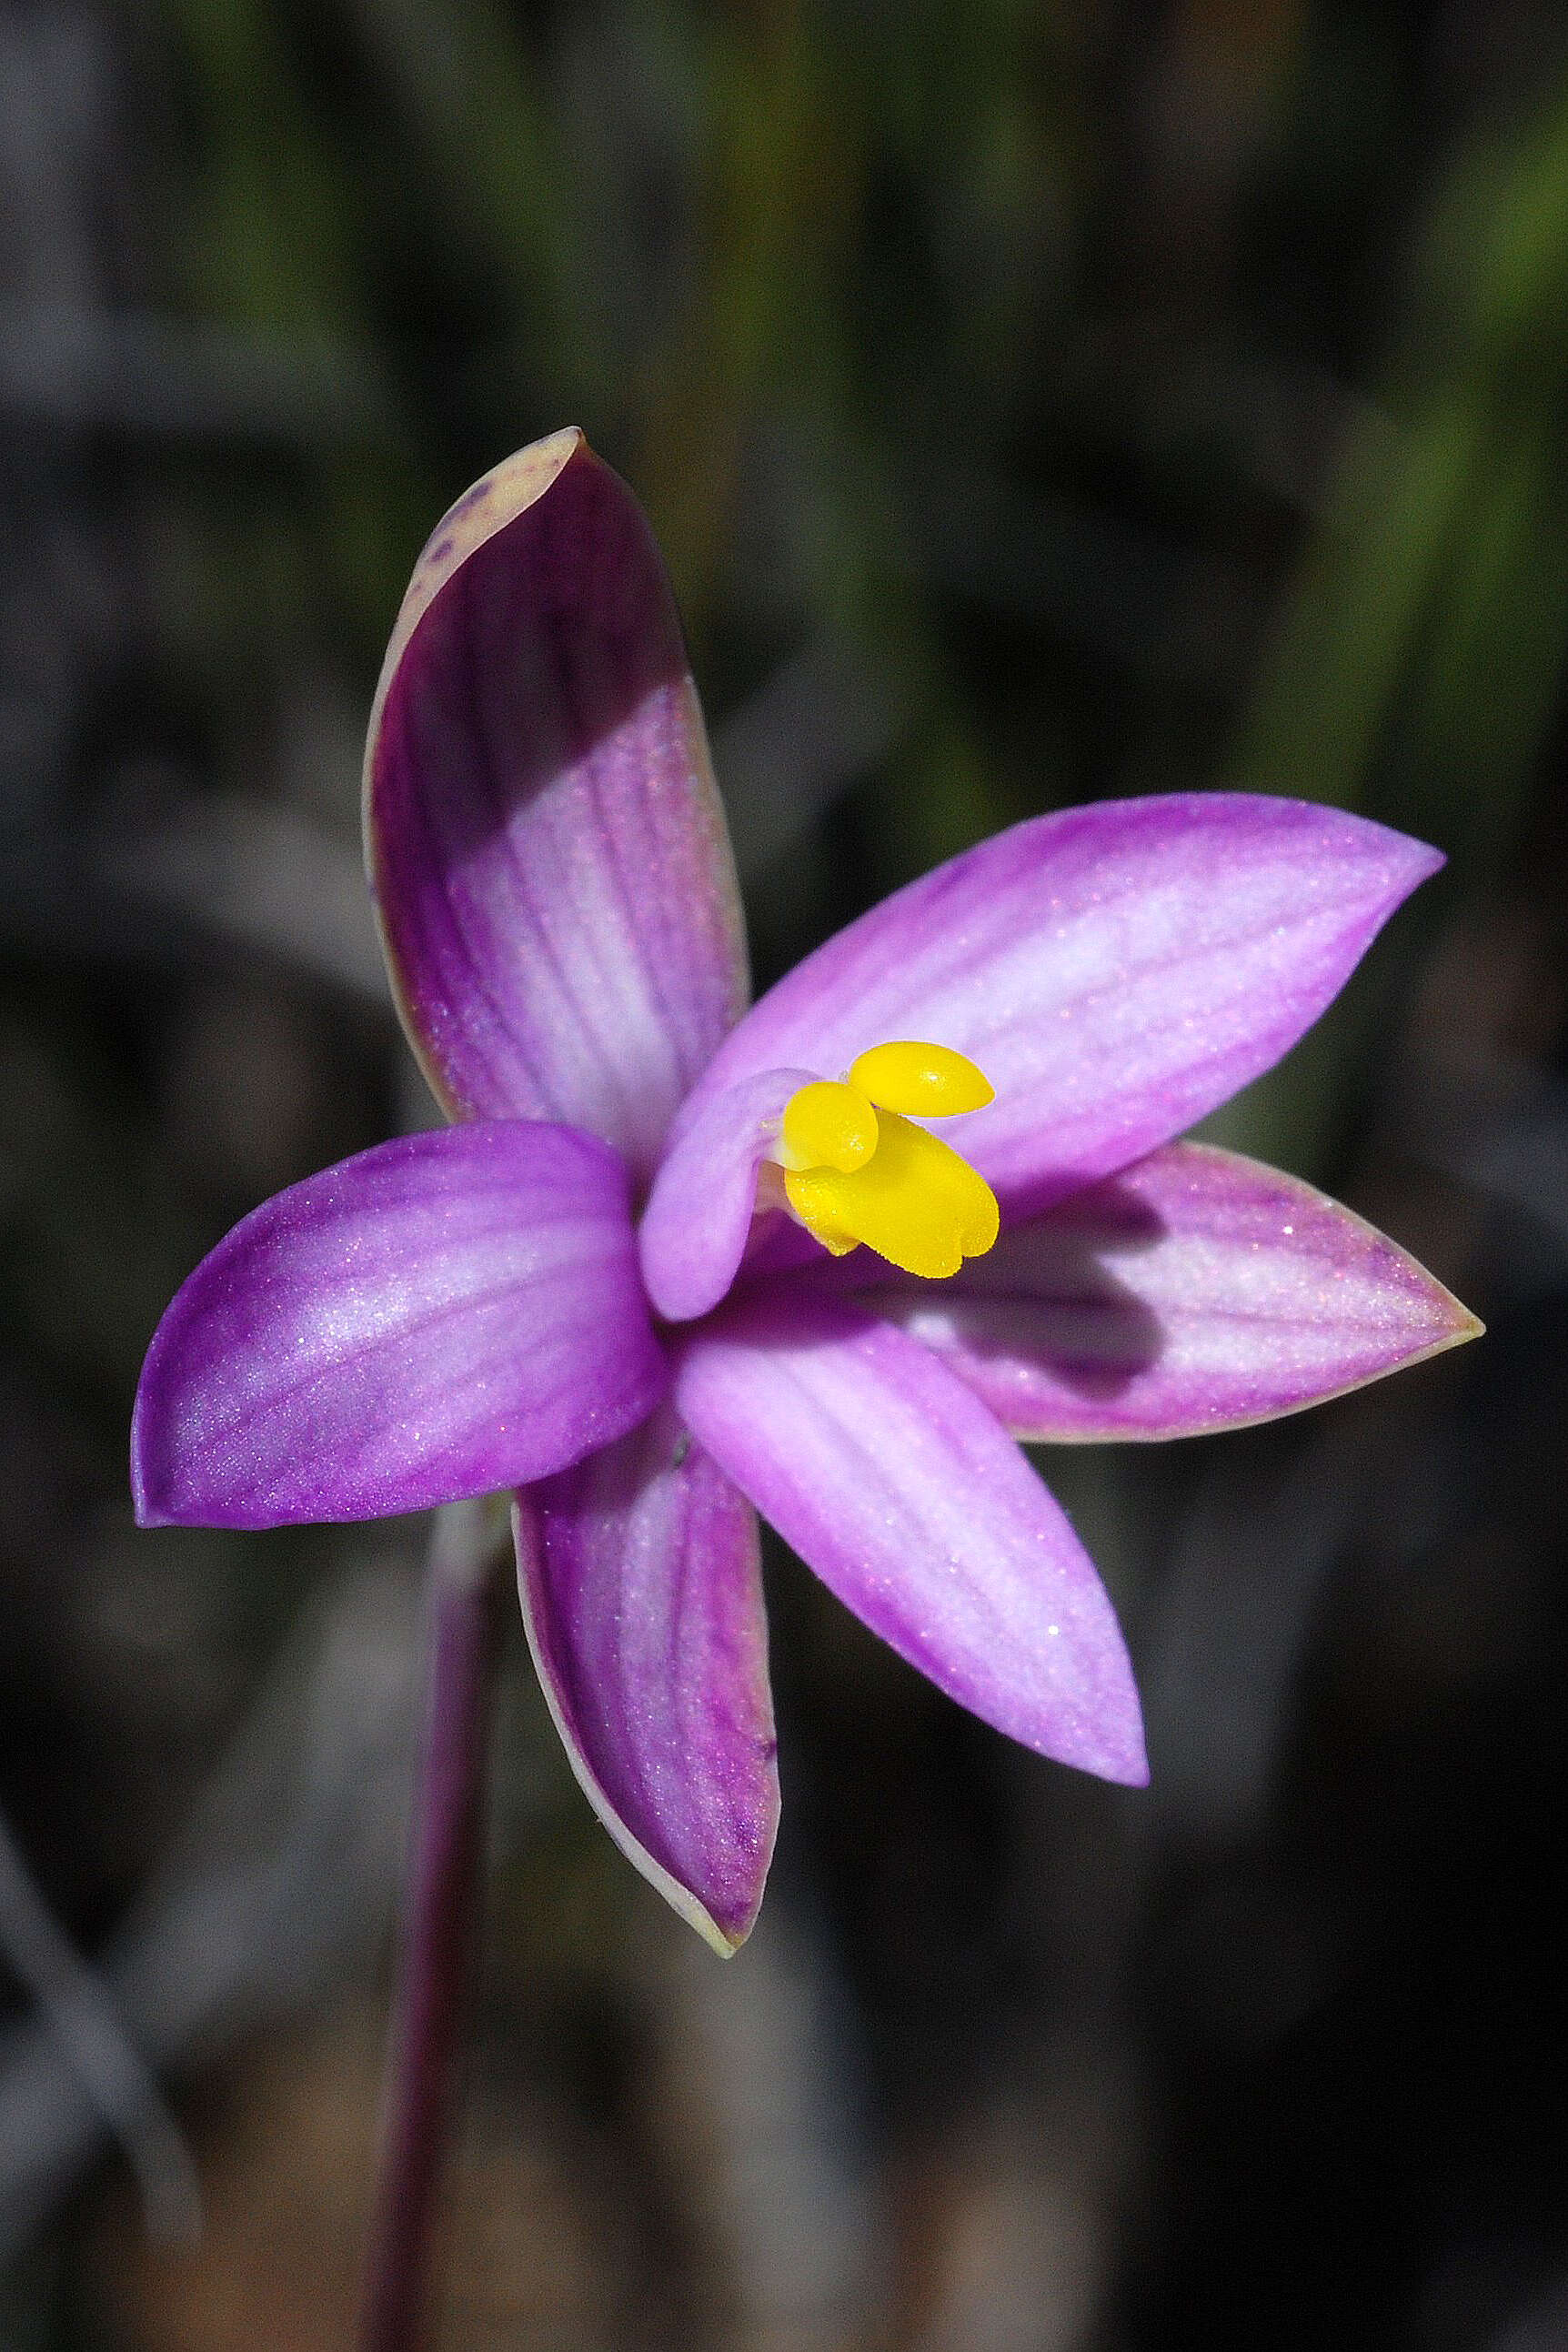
(1035, 402)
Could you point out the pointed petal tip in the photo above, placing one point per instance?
(901, 1491)
(1195, 1292)
(639, 1582)
(1130, 1768)
(498, 497)
(723, 1941)
(723, 1933)
(507, 490)
(1404, 851)
(1456, 1326)
(1104, 1734)
(1344, 839)
(1455, 1322)
(1449, 1323)
(723, 1937)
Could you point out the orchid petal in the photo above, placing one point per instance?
(695, 1228)
(445, 1315)
(1196, 1291)
(642, 1593)
(1116, 971)
(547, 849)
(904, 1493)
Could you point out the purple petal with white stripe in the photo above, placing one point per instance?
(547, 849)
(1116, 971)
(1196, 1291)
(642, 1595)
(890, 1479)
(443, 1316)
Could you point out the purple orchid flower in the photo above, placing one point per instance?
(625, 1282)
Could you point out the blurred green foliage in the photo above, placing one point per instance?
(1421, 657)
(950, 331)
(982, 345)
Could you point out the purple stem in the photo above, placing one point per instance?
(465, 1625)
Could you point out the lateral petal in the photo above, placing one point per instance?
(698, 1220)
(1116, 971)
(443, 1316)
(642, 1595)
(1196, 1291)
(544, 841)
(890, 1479)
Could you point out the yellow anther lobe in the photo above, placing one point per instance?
(856, 1169)
(827, 1125)
(914, 1201)
(921, 1081)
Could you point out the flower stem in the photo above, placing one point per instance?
(465, 1620)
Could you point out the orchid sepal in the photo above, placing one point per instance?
(1195, 1292)
(639, 1575)
(435, 1318)
(904, 1493)
(544, 841)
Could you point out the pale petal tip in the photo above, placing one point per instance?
(509, 488)
(1465, 1325)
(498, 497)
(1457, 1327)
(1401, 855)
(1110, 1746)
(1397, 863)
(718, 1940)
(1095, 1723)
(1444, 1322)
(724, 1935)
(1130, 1769)
(1420, 859)
(1418, 864)
(1381, 866)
